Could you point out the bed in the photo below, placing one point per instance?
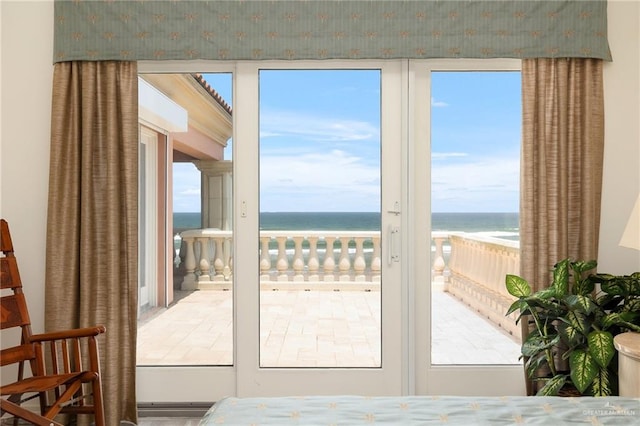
(424, 410)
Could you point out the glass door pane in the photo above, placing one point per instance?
(192, 323)
(462, 155)
(320, 221)
(475, 166)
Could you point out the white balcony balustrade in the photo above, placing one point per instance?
(471, 267)
(288, 259)
(477, 268)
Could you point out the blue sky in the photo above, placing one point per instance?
(319, 142)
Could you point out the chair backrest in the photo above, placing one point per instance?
(64, 364)
(13, 305)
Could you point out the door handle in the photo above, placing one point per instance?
(394, 234)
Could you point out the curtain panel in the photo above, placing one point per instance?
(561, 167)
(92, 218)
(328, 29)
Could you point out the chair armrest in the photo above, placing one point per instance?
(69, 334)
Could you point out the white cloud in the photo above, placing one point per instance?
(314, 127)
(445, 155)
(190, 191)
(486, 184)
(438, 104)
(331, 181)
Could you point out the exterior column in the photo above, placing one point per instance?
(217, 194)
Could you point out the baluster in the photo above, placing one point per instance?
(477, 266)
(344, 265)
(438, 261)
(204, 260)
(189, 281)
(454, 253)
(359, 264)
(265, 259)
(313, 262)
(376, 261)
(329, 263)
(496, 278)
(228, 258)
(298, 260)
(218, 261)
(282, 264)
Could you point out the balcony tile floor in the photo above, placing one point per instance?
(312, 329)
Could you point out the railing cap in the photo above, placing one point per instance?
(207, 232)
(320, 234)
(486, 239)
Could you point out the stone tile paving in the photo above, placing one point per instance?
(312, 329)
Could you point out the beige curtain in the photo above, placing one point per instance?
(562, 153)
(92, 249)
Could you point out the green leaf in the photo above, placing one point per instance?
(602, 277)
(561, 278)
(536, 343)
(603, 384)
(629, 316)
(615, 286)
(614, 318)
(601, 347)
(582, 304)
(534, 363)
(518, 305)
(543, 296)
(631, 326)
(569, 333)
(583, 369)
(582, 266)
(634, 284)
(553, 386)
(517, 286)
(578, 321)
(632, 305)
(584, 287)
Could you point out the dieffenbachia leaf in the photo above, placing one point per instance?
(583, 369)
(536, 343)
(561, 278)
(602, 384)
(582, 304)
(553, 386)
(517, 286)
(601, 347)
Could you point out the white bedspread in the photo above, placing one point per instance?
(424, 410)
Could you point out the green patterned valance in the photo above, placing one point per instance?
(328, 29)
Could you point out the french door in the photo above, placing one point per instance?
(258, 373)
(402, 360)
(354, 166)
(474, 376)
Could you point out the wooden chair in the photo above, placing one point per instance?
(59, 377)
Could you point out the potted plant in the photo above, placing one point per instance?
(575, 319)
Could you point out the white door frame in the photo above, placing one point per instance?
(147, 287)
(406, 121)
(253, 380)
(188, 384)
(487, 380)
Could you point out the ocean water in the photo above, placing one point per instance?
(504, 225)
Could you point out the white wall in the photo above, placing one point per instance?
(26, 74)
(27, 70)
(621, 180)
